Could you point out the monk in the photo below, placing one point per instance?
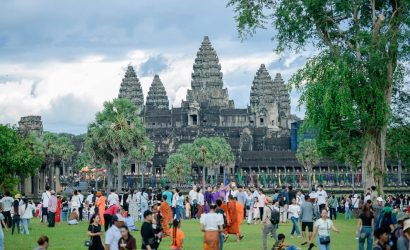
(166, 215)
(100, 203)
(235, 217)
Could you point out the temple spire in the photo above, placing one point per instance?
(207, 84)
(131, 88)
(157, 96)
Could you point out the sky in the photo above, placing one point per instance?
(63, 59)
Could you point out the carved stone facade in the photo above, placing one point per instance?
(30, 124)
(262, 127)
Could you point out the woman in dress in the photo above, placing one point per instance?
(132, 201)
(94, 231)
(58, 211)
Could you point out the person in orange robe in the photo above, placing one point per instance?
(100, 203)
(235, 218)
(58, 211)
(166, 214)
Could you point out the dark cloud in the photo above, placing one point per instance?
(154, 65)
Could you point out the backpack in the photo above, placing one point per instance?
(282, 201)
(394, 237)
(221, 211)
(274, 216)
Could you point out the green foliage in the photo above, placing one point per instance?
(117, 134)
(82, 160)
(178, 168)
(19, 157)
(308, 154)
(347, 87)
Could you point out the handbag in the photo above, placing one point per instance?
(324, 240)
(89, 243)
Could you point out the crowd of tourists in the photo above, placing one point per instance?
(383, 222)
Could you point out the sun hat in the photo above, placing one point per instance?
(406, 225)
(117, 217)
(380, 199)
(17, 196)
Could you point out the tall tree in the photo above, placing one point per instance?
(308, 156)
(347, 86)
(18, 157)
(178, 168)
(117, 133)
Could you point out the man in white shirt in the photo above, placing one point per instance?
(321, 198)
(90, 196)
(7, 203)
(44, 201)
(113, 198)
(113, 235)
(193, 195)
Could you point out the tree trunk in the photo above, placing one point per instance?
(51, 178)
(399, 172)
(204, 170)
(119, 177)
(373, 160)
(64, 170)
(309, 181)
(109, 180)
(58, 183)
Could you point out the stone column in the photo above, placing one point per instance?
(27, 186)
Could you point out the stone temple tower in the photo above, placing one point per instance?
(30, 124)
(131, 89)
(269, 101)
(157, 96)
(207, 84)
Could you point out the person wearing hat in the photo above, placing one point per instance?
(113, 235)
(399, 231)
(52, 208)
(377, 207)
(403, 241)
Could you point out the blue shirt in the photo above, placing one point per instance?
(169, 197)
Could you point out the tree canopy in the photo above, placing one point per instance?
(347, 86)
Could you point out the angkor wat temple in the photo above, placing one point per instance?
(260, 135)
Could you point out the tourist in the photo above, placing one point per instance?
(193, 200)
(3, 223)
(355, 205)
(52, 208)
(373, 194)
(27, 208)
(108, 215)
(242, 198)
(399, 230)
(348, 207)
(73, 218)
(403, 241)
(16, 214)
(58, 211)
(144, 201)
(147, 232)
(180, 205)
(42, 243)
(7, 203)
(294, 211)
(222, 210)
(129, 222)
(201, 203)
(132, 205)
(235, 211)
(127, 241)
(382, 239)
(90, 198)
(386, 221)
(113, 198)
(249, 204)
(168, 194)
(177, 236)
(75, 202)
(113, 235)
(321, 197)
(291, 195)
(100, 204)
(211, 226)
(44, 201)
(283, 206)
(123, 199)
(94, 231)
(333, 204)
(255, 211)
(269, 214)
(207, 199)
(364, 228)
(174, 203)
(306, 217)
(261, 203)
(322, 228)
(377, 209)
(215, 195)
(64, 210)
(281, 245)
(187, 208)
(81, 207)
(166, 213)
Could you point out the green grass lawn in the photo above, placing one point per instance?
(64, 236)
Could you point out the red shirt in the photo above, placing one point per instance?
(112, 210)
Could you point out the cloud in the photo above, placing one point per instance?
(154, 65)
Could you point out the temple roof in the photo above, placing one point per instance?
(131, 88)
(157, 96)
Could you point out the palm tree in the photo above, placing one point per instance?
(178, 168)
(308, 156)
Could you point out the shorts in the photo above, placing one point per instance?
(309, 225)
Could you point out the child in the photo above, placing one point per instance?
(177, 236)
(255, 210)
(281, 245)
(187, 209)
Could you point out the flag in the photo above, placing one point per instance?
(152, 181)
(225, 179)
(279, 181)
(239, 178)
